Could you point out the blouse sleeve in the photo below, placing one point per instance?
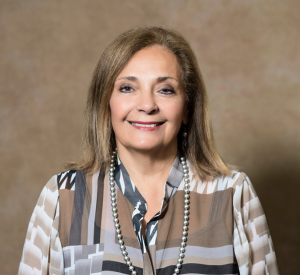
(42, 251)
(253, 245)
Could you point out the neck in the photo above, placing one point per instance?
(148, 169)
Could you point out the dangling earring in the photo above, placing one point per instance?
(184, 135)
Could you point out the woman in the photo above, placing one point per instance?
(151, 195)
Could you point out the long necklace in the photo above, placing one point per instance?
(116, 220)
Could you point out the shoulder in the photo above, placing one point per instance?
(234, 180)
(242, 189)
(238, 180)
(71, 179)
(241, 181)
(63, 180)
(66, 180)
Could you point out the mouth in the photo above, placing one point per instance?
(146, 125)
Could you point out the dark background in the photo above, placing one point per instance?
(249, 55)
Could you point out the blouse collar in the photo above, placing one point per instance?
(133, 195)
(130, 191)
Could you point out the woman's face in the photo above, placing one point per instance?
(148, 101)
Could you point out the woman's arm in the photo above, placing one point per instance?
(42, 252)
(252, 240)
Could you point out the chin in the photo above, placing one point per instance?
(149, 146)
(145, 147)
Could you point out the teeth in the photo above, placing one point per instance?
(145, 125)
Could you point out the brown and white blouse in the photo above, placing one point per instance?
(71, 230)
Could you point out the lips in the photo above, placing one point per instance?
(144, 124)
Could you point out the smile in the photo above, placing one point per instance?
(152, 125)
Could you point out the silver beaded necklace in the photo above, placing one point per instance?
(116, 220)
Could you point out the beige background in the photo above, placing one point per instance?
(248, 52)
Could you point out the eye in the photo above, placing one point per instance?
(167, 91)
(125, 89)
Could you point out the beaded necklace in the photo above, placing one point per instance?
(117, 224)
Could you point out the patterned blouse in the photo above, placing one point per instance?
(71, 230)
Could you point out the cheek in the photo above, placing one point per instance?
(118, 109)
(175, 112)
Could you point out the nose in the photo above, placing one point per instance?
(147, 102)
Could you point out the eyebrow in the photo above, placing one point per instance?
(159, 79)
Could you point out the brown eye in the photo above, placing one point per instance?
(125, 89)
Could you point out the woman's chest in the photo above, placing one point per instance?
(90, 244)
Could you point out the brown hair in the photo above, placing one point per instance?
(99, 140)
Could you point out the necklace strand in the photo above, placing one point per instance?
(116, 220)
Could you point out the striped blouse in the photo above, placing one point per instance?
(71, 230)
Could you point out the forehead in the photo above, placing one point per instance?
(155, 60)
